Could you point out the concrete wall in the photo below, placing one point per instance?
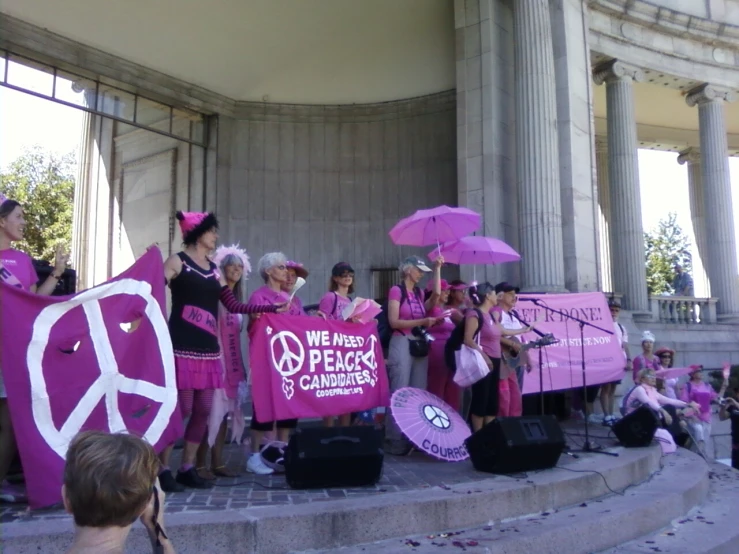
(325, 184)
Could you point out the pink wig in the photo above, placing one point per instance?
(223, 252)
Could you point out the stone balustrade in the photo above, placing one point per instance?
(683, 309)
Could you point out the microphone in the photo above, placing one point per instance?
(518, 317)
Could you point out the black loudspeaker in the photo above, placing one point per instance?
(516, 444)
(66, 286)
(323, 457)
(637, 429)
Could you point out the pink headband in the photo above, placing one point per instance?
(222, 252)
(458, 287)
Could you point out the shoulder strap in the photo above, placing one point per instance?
(480, 322)
(336, 302)
(621, 327)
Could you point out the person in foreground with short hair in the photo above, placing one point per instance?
(110, 481)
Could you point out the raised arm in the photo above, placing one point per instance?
(235, 307)
(436, 292)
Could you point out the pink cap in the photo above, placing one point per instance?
(190, 220)
(298, 268)
(444, 285)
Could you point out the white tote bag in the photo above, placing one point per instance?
(471, 366)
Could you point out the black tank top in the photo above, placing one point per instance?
(193, 322)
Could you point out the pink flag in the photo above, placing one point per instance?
(604, 360)
(76, 363)
(363, 309)
(310, 367)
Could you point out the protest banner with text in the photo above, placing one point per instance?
(561, 362)
(309, 367)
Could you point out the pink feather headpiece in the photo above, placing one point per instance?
(222, 252)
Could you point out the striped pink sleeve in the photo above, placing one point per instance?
(235, 307)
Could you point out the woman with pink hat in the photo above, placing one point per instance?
(17, 270)
(294, 270)
(197, 288)
(440, 378)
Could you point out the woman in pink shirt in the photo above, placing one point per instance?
(646, 359)
(407, 363)
(16, 270)
(440, 379)
(294, 270)
(703, 395)
(482, 332)
(331, 306)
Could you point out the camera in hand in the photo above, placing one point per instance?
(422, 333)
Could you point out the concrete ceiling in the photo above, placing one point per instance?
(291, 51)
(660, 102)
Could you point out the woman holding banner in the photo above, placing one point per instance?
(331, 306)
(294, 270)
(16, 270)
(273, 269)
(197, 288)
(233, 264)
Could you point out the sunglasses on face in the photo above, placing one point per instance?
(281, 267)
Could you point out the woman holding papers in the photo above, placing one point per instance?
(331, 307)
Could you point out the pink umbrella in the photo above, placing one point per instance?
(431, 424)
(476, 250)
(434, 226)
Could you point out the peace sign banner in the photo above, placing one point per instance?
(101, 359)
(309, 367)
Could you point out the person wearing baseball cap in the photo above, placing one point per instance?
(331, 306)
(409, 316)
(511, 382)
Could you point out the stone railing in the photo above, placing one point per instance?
(683, 309)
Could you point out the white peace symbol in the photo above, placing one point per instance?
(288, 356)
(110, 381)
(369, 356)
(436, 416)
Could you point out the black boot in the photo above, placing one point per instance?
(168, 483)
(190, 478)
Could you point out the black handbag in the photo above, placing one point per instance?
(419, 348)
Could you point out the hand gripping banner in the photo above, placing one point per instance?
(310, 367)
(101, 359)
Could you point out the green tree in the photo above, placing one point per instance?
(666, 246)
(44, 185)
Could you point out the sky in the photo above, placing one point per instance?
(26, 120)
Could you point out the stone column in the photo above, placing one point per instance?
(692, 157)
(537, 152)
(604, 221)
(627, 234)
(720, 238)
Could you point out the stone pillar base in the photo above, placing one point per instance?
(727, 318)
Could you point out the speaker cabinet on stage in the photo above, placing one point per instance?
(516, 444)
(636, 429)
(323, 457)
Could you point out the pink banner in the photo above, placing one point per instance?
(604, 361)
(310, 367)
(76, 363)
(200, 318)
(230, 327)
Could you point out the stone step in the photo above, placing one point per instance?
(583, 528)
(710, 528)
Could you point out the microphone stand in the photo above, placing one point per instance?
(588, 447)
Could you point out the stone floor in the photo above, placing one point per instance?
(407, 473)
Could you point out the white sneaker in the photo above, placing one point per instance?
(255, 465)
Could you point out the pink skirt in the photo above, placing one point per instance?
(198, 373)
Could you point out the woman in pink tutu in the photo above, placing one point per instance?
(197, 288)
(233, 264)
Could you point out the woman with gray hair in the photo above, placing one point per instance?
(407, 360)
(273, 271)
